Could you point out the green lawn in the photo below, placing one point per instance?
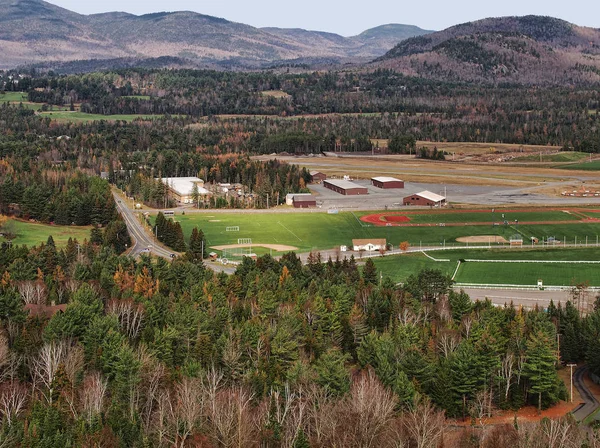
(398, 268)
(566, 156)
(83, 117)
(319, 231)
(137, 97)
(586, 166)
(10, 97)
(32, 234)
(528, 273)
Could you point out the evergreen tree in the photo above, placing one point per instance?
(370, 272)
(540, 369)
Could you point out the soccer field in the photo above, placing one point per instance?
(320, 231)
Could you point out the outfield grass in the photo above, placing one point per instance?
(78, 117)
(319, 231)
(32, 234)
(398, 268)
(487, 216)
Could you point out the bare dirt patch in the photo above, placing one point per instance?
(482, 239)
(277, 247)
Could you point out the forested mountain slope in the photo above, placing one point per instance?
(529, 50)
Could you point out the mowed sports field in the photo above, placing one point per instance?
(321, 231)
(566, 273)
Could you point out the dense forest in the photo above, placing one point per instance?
(425, 109)
(150, 353)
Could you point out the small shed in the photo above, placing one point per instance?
(369, 244)
(318, 177)
(387, 182)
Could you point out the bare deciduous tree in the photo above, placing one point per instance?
(231, 419)
(130, 315)
(507, 372)
(92, 395)
(424, 423)
(13, 397)
(188, 408)
(373, 409)
(448, 342)
(46, 364)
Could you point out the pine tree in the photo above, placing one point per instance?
(370, 272)
(539, 366)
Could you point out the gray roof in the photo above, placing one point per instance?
(345, 184)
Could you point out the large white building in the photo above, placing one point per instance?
(181, 188)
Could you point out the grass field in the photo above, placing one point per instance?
(10, 97)
(398, 268)
(78, 117)
(488, 216)
(565, 156)
(32, 234)
(588, 166)
(320, 231)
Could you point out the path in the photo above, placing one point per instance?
(590, 403)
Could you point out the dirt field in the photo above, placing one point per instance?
(482, 239)
(277, 247)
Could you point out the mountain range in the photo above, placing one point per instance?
(34, 31)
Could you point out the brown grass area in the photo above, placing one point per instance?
(484, 148)
(276, 247)
(275, 94)
(482, 239)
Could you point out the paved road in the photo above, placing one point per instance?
(145, 242)
(590, 402)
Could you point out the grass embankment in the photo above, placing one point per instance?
(32, 234)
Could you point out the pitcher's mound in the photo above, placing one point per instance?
(482, 239)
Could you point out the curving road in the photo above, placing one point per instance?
(145, 243)
(142, 241)
(590, 403)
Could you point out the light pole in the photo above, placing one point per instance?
(571, 366)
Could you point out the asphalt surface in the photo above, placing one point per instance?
(143, 242)
(590, 403)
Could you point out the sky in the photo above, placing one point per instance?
(349, 17)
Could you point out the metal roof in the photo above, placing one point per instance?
(345, 184)
(184, 185)
(431, 196)
(386, 179)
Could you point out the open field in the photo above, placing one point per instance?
(563, 156)
(584, 166)
(528, 273)
(32, 234)
(398, 268)
(78, 117)
(484, 148)
(12, 97)
(275, 93)
(321, 231)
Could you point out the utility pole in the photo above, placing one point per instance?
(571, 366)
(267, 200)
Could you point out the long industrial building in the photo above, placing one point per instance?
(345, 187)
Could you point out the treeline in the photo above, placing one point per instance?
(63, 197)
(155, 353)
